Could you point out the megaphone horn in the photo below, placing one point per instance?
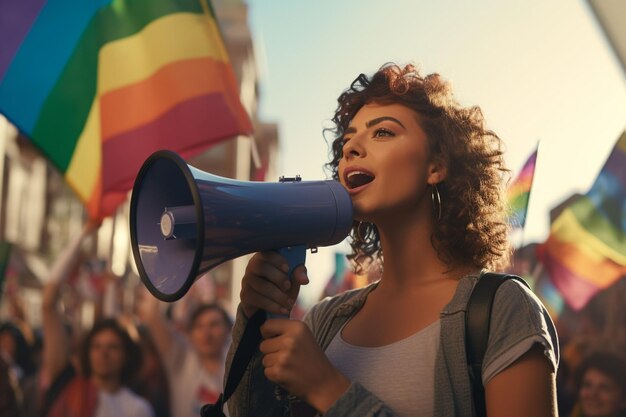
(184, 221)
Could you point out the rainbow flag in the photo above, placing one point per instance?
(586, 249)
(99, 85)
(518, 193)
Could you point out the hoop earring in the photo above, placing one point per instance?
(436, 200)
(361, 236)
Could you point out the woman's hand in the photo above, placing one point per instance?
(266, 286)
(293, 359)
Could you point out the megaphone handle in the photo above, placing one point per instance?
(295, 256)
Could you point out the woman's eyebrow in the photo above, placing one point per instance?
(382, 119)
(374, 122)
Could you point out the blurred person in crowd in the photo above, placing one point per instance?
(574, 351)
(17, 353)
(16, 350)
(601, 382)
(22, 344)
(195, 363)
(9, 391)
(94, 384)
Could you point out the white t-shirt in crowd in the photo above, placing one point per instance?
(122, 403)
(191, 386)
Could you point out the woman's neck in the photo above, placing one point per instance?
(410, 260)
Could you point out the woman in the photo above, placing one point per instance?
(601, 381)
(109, 360)
(425, 179)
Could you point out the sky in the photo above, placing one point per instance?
(542, 71)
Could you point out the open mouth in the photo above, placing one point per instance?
(356, 179)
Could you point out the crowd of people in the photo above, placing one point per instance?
(425, 178)
(144, 365)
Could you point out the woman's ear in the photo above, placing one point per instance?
(437, 171)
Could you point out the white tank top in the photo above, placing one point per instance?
(401, 374)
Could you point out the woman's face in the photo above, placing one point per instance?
(106, 355)
(599, 395)
(386, 163)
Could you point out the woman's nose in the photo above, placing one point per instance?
(353, 149)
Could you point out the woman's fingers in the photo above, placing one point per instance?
(262, 294)
(300, 276)
(271, 266)
(266, 285)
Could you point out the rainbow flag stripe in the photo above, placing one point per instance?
(586, 249)
(518, 193)
(99, 85)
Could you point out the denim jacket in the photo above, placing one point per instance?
(517, 314)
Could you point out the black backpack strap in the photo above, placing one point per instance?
(247, 346)
(477, 320)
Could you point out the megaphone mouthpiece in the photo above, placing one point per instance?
(178, 222)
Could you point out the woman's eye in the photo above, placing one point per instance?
(383, 132)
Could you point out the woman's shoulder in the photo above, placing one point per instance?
(519, 314)
(514, 294)
(517, 308)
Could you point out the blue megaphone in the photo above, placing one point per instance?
(184, 221)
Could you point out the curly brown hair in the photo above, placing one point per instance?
(472, 228)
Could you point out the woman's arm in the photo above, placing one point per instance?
(520, 364)
(149, 312)
(526, 388)
(264, 286)
(56, 343)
